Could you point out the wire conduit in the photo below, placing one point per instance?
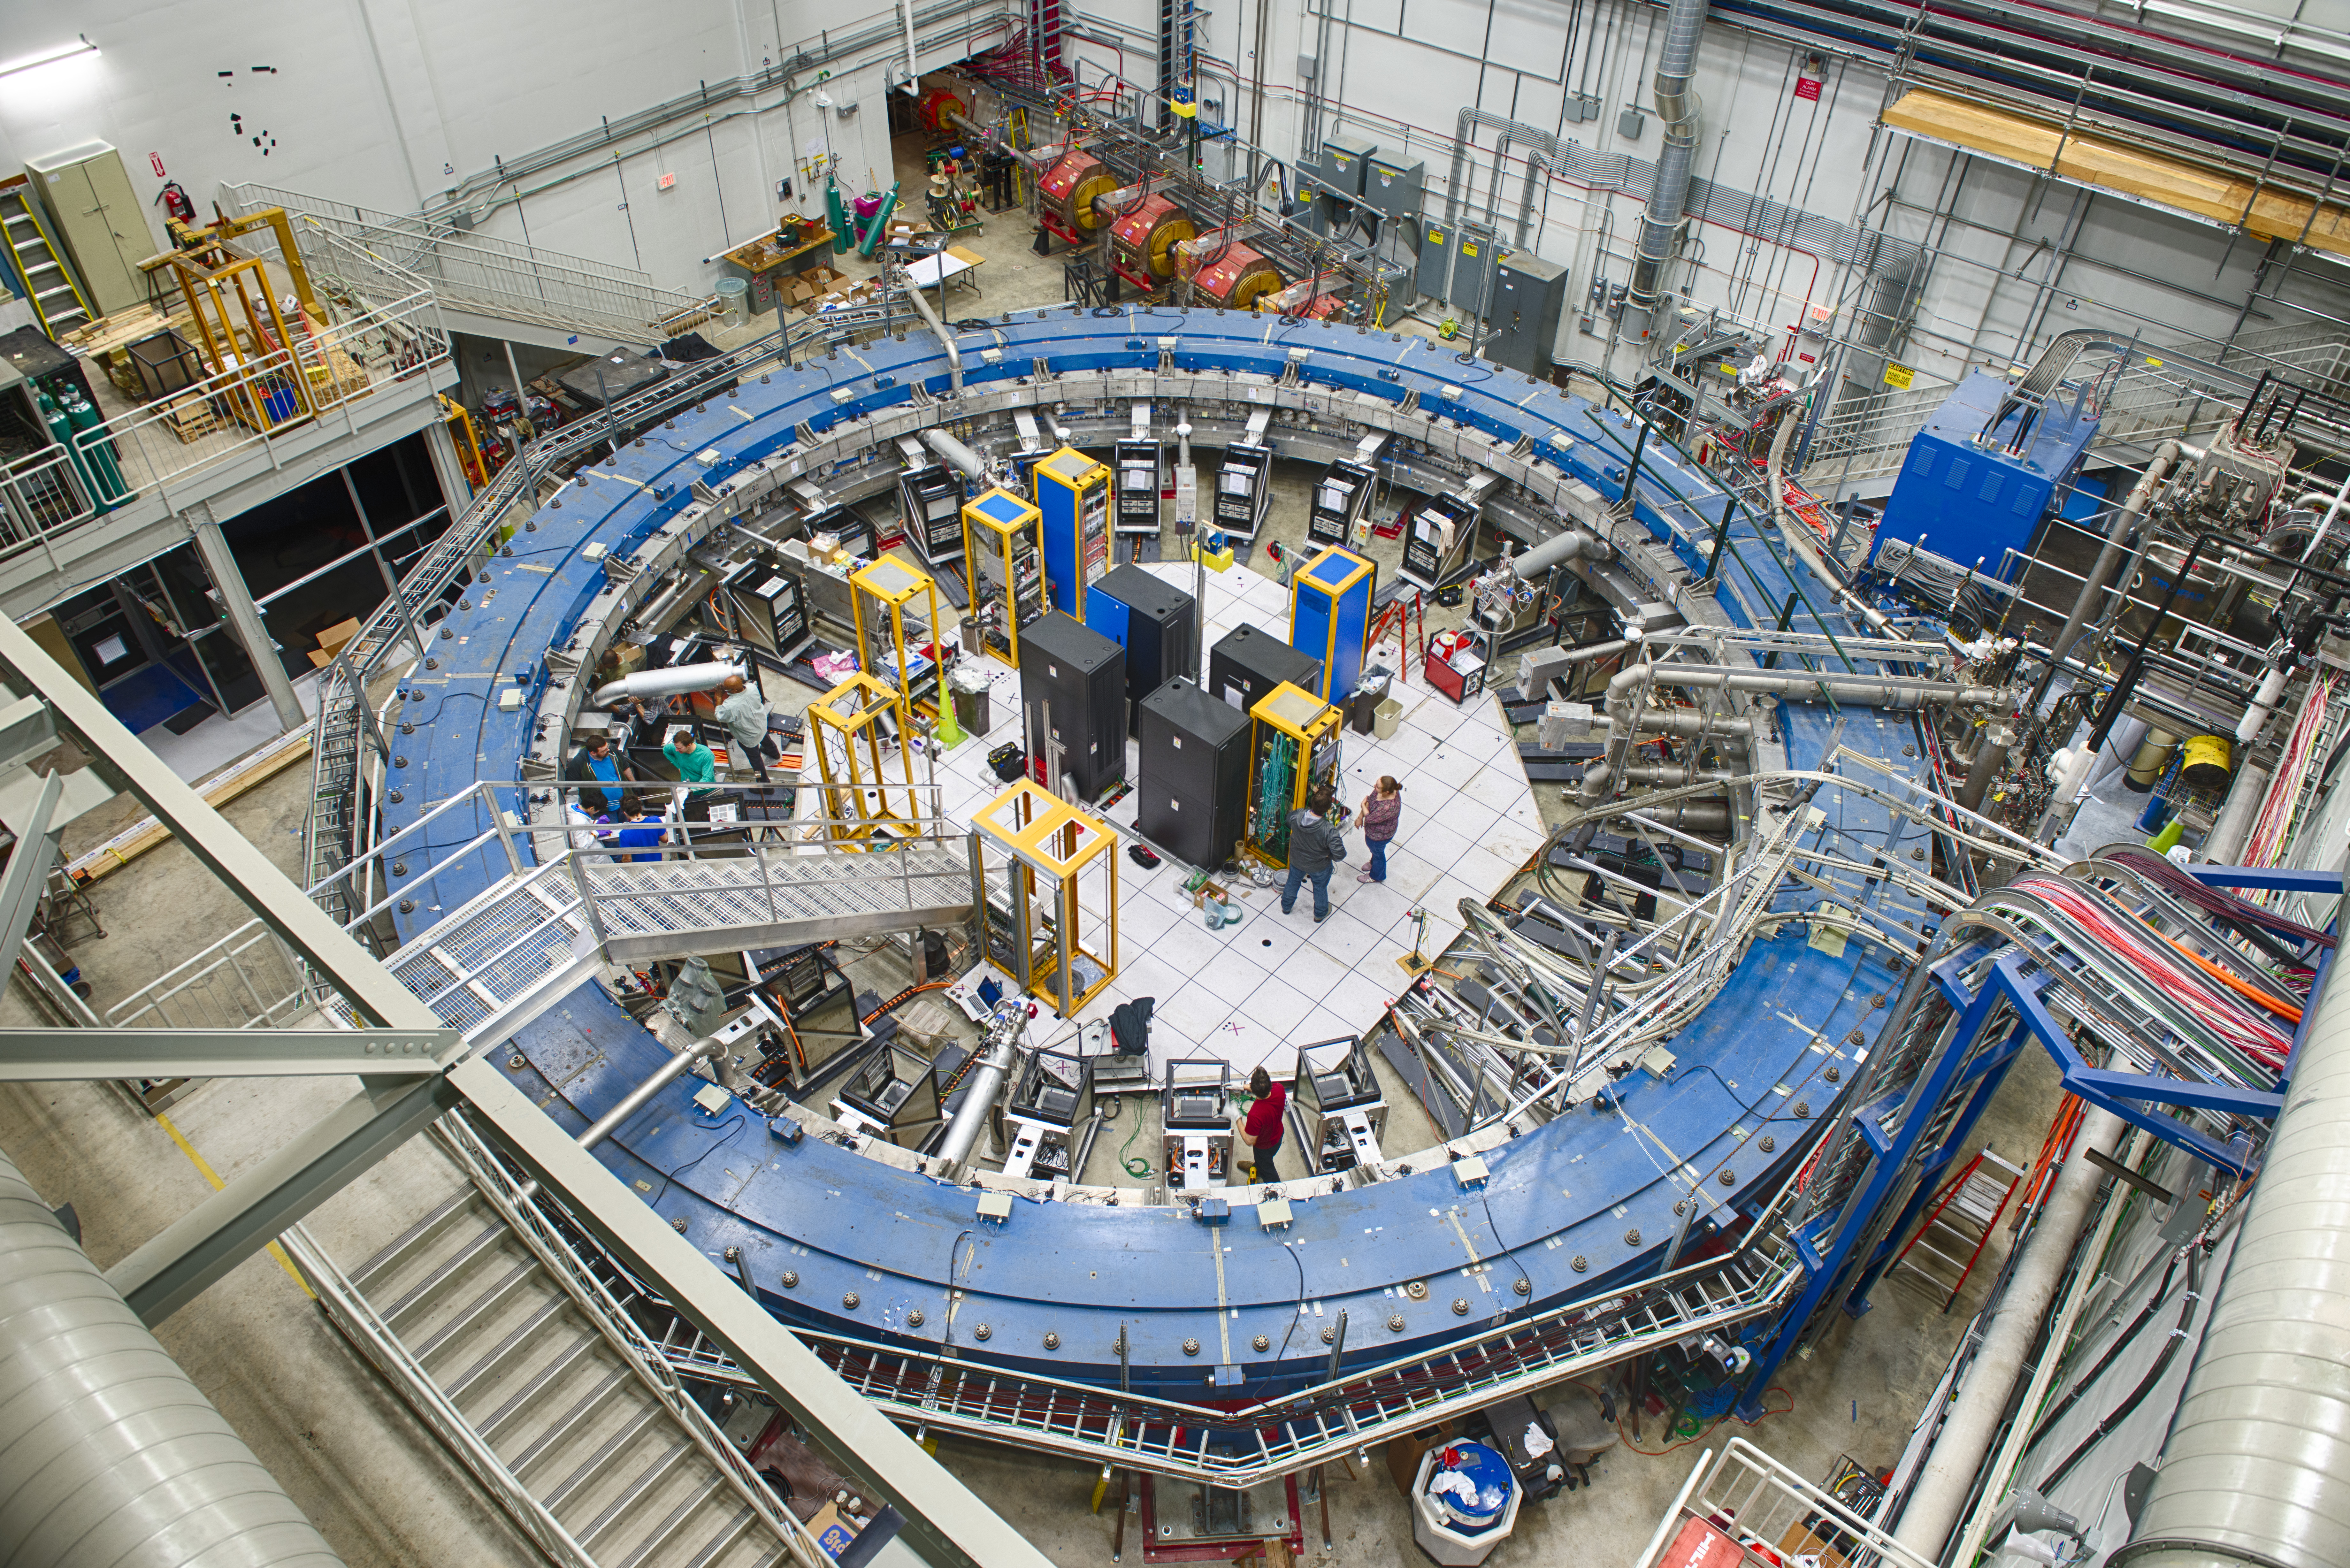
(109, 1456)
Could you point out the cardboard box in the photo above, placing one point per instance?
(332, 640)
(319, 658)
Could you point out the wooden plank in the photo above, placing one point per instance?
(231, 782)
(2125, 169)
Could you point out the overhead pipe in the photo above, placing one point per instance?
(635, 1099)
(672, 681)
(1677, 107)
(1978, 1410)
(2093, 587)
(913, 71)
(114, 1454)
(1567, 545)
(2252, 1470)
(954, 355)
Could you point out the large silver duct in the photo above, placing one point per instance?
(2257, 1467)
(109, 1457)
(1677, 106)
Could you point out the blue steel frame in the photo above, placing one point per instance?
(1827, 1244)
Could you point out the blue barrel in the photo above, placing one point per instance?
(1480, 1505)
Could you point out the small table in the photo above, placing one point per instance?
(763, 263)
(951, 265)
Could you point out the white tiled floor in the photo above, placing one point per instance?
(1255, 992)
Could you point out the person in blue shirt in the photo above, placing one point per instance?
(630, 828)
(596, 763)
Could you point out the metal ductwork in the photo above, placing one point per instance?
(1677, 106)
(2254, 1472)
(108, 1454)
(675, 680)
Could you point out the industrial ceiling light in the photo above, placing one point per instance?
(63, 52)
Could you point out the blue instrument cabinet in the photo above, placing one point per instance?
(1330, 618)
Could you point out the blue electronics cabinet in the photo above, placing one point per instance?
(1970, 493)
(1073, 492)
(1330, 618)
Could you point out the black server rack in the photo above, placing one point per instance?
(932, 500)
(1078, 675)
(1140, 467)
(1152, 620)
(846, 525)
(1250, 662)
(1243, 489)
(770, 609)
(1341, 496)
(1193, 792)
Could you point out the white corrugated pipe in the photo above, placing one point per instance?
(1980, 1409)
(2257, 1467)
(1677, 106)
(913, 71)
(113, 1455)
(676, 680)
(954, 454)
(1568, 544)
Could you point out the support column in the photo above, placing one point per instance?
(244, 618)
(454, 491)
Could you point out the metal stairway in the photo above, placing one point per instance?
(512, 950)
(56, 299)
(525, 1364)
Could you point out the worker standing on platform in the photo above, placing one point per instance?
(694, 765)
(743, 711)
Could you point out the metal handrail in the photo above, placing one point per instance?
(522, 1213)
(1313, 1424)
(360, 1323)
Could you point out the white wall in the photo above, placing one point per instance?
(386, 102)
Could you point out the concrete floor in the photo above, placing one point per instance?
(382, 1491)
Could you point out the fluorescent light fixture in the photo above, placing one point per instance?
(63, 52)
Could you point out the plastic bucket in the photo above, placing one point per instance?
(2203, 763)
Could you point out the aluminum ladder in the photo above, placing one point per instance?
(501, 1340)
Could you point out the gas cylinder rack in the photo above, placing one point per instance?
(1004, 547)
(1073, 496)
(1295, 747)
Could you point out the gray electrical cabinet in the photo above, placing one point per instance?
(1473, 252)
(1529, 295)
(1345, 160)
(1435, 257)
(1392, 185)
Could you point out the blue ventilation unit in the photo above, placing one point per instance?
(1965, 495)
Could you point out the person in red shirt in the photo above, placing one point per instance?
(1259, 1134)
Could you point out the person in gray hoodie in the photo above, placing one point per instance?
(1315, 845)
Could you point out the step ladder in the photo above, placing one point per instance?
(58, 303)
(1399, 617)
(581, 1441)
(1958, 1226)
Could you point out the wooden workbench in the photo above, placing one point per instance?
(765, 262)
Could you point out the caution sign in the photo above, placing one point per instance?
(1898, 376)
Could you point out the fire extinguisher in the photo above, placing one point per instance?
(176, 205)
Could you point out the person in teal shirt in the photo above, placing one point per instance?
(694, 765)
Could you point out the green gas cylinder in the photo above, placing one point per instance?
(98, 459)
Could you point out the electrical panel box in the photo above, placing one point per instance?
(1436, 246)
(1152, 620)
(1192, 794)
(1006, 563)
(1345, 159)
(1392, 185)
(770, 609)
(1341, 496)
(1437, 540)
(1249, 661)
(1330, 618)
(1073, 691)
(1139, 464)
(1475, 249)
(1971, 492)
(1073, 498)
(930, 499)
(1529, 297)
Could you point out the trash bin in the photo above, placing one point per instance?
(731, 293)
(1464, 1502)
(1387, 718)
(970, 689)
(1363, 711)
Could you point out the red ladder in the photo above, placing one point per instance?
(1400, 616)
(1964, 1215)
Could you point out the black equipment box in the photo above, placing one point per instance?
(1152, 620)
(1081, 675)
(1194, 787)
(1250, 661)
